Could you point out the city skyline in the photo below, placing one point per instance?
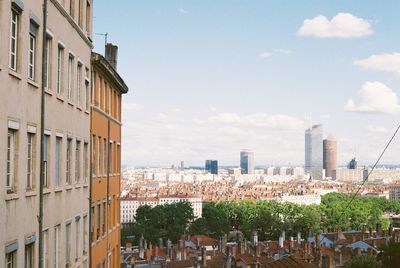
(250, 77)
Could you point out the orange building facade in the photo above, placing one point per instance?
(107, 91)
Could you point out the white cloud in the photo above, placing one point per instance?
(132, 106)
(375, 97)
(259, 120)
(381, 62)
(377, 129)
(166, 140)
(183, 11)
(343, 25)
(264, 55)
(284, 51)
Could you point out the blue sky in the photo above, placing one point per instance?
(208, 78)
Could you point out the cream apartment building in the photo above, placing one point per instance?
(67, 136)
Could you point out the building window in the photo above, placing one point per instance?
(104, 157)
(68, 244)
(98, 221)
(87, 95)
(46, 160)
(85, 235)
(11, 259)
(78, 162)
(68, 162)
(57, 178)
(110, 162)
(11, 160)
(118, 159)
(29, 255)
(30, 160)
(93, 160)
(78, 82)
(14, 32)
(92, 221)
(77, 235)
(85, 162)
(60, 62)
(46, 249)
(88, 18)
(57, 246)
(80, 13)
(98, 156)
(47, 80)
(32, 51)
(72, 8)
(70, 70)
(104, 217)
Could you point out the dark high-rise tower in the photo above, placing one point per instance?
(212, 166)
(330, 155)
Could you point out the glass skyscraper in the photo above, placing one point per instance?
(314, 152)
(212, 166)
(247, 161)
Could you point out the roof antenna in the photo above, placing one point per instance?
(105, 40)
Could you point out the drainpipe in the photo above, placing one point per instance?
(42, 119)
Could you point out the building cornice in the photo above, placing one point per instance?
(72, 22)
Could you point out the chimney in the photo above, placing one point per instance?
(203, 257)
(228, 257)
(298, 238)
(141, 247)
(112, 54)
(169, 249)
(378, 230)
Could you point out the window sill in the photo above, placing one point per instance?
(33, 83)
(85, 185)
(79, 107)
(14, 74)
(87, 112)
(70, 103)
(68, 187)
(58, 189)
(46, 191)
(48, 91)
(60, 98)
(30, 192)
(78, 185)
(12, 196)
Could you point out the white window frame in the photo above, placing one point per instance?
(77, 161)
(14, 36)
(58, 157)
(60, 61)
(70, 74)
(11, 259)
(30, 160)
(79, 83)
(11, 151)
(57, 246)
(48, 48)
(32, 57)
(68, 162)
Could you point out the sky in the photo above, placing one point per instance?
(208, 78)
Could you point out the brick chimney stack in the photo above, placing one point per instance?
(112, 54)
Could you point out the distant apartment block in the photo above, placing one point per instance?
(106, 159)
(394, 192)
(129, 206)
(67, 132)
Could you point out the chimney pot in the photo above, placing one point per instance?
(112, 54)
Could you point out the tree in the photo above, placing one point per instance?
(362, 262)
(390, 255)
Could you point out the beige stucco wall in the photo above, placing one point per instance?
(20, 102)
